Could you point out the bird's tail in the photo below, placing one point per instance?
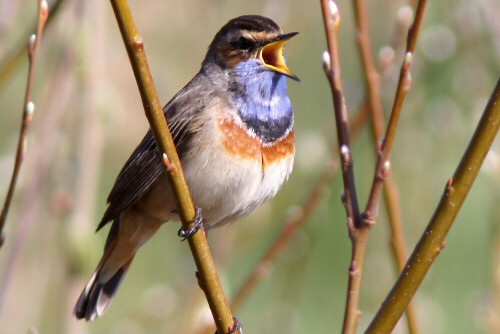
(99, 291)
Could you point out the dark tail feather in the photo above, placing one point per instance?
(95, 298)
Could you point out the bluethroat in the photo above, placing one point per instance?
(232, 125)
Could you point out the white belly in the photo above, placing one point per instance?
(229, 173)
(227, 189)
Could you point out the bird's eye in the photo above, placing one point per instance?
(243, 43)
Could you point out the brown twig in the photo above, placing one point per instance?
(432, 240)
(382, 169)
(372, 83)
(372, 78)
(29, 108)
(331, 65)
(383, 166)
(15, 56)
(43, 154)
(207, 274)
(403, 22)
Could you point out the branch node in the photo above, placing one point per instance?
(369, 217)
(334, 12)
(343, 199)
(449, 186)
(31, 43)
(166, 162)
(235, 327)
(138, 43)
(346, 155)
(28, 112)
(351, 228)
(407, 61)
(326, 61)
(380, 146)
(353, 269)
(386, 170)
(442, 246)
(406, 84)
(44, 9)
(200, 280)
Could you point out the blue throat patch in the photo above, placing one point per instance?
(262, 100)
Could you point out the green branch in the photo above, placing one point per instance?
(207, 274)
(432, 240)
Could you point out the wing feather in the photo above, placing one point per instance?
(145, 164)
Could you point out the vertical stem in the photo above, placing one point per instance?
(29, 108)
(372, 83)
(432, 241)
(358, 231)
(383, 166)
(331, 65)
(9, 64)
(207, 274)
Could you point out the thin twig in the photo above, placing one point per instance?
(372, 78)
(29, 108)
(383, 166)
(331, 65)
(372, 81)
(207, 274)
(15, 56)
(432, 240)
(43, 154)
(403, 22)
(357, 234)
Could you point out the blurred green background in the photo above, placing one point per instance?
(89, 118)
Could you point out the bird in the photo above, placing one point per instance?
(232, 126)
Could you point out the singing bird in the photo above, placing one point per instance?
(232, 125)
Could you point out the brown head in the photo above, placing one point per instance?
(246, 37)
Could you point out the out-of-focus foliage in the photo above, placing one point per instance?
(86, 97)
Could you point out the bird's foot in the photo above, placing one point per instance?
(198, 223)
(236, 327)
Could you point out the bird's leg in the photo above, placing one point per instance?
(198, 223)
(236, 327)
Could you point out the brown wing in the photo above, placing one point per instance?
(145, 165)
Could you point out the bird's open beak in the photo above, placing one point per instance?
(271, 55)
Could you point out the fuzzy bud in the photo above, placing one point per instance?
(28, 111)
(326, 60)
(334, 11)
(31, 41)
(345, 154)
(386, 169)
(44, 7)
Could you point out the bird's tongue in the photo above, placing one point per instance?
(271, 56)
